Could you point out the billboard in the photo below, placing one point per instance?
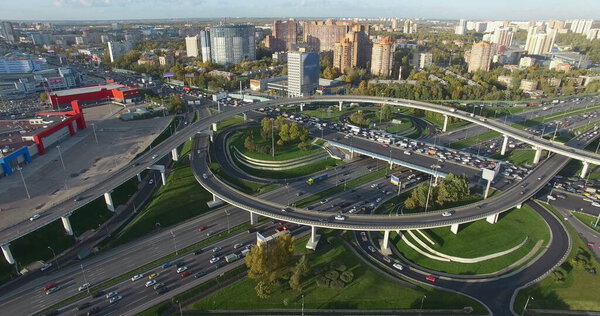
(191, 75)
(169, 75)
(394, 180)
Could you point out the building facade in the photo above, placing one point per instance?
(502, 36)
(382, 57)
(303, 73)
(205, 45)
(231, 44)
(283, 35)
(322, 35)
(192, 45)
(461, 28)
(480, 57)
(118, 49)
(540, 42)
(8, 33)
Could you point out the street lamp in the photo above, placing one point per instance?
(24, 184)
(94, 129)
(62, 162)
(174, 243)
(54, 255)
(422, 300)
(526, 303)
(84, 278)
(227, 213)
(272, 137)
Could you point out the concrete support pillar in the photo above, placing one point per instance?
(139, 177)
(454, 228)
(384, 243)
(67, 224)
(519, 205)
(109, 202)
(487, 189)
(212, 139)
(214, 127)
(301, 107)
(341, 105)
(391, 165)
(314, 238)
(538, 155)
(492, 219)
(163, 177)
(584, 171)
(445, 123)
(245, 116)
(216, 198)
(174, 154)
(504, 145)
(8, 254)
(253, 218)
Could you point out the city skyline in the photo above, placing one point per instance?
(61, 10)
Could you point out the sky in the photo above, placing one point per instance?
(429, 9)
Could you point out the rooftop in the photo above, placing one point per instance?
(89, 89)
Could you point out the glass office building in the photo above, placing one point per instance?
(231, 44)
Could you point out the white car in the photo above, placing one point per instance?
(374, 185)
(182, 269)
(112, 294)
(137, 277)
(150, 283)
(596, 204)
(340, 217)
(151, 181)
(398, 266)
(154, 156)
(215, 259)
(46, 267)
(83, 287)
(406, 152)
(372, 249)
(115, 299)
(34, 217)
(446, 214)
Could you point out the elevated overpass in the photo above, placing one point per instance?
(61, 210)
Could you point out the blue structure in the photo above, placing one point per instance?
(5, 162)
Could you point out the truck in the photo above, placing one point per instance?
(316, 179)
(432, 152)
(232, 257)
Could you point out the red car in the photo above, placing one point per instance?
(430, 278)
(203, 228)
(186, 273)
(49, 286)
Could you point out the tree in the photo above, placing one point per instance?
(294, 131)
(175, 103)
(385, 112)
(284, 133)
(43, 96)
(452, 188)
(270, 262)
(266, 127)
(303, 134)
(359, 118)
(249, 143)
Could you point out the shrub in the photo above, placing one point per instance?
(322, 281)
(332, 274)
(336, 284)
(336, 265)
(347, 276)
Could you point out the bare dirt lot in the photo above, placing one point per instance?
(86, 162)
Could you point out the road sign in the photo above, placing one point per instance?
(394, 180)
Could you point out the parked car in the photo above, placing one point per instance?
(137, 277)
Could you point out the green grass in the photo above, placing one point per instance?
(579, 290)
(339, 188)
(321, 165)
(439, 122)
(470, 141)
(228, 122)
(479, 239)
(588, 220)
(286, 152)
(518, 156)
(245, 186)
(399, 128)
(333, 114)
(182, 198)
(368, 290)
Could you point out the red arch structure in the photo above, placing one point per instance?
(75, 115)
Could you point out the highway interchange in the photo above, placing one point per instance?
(97, 269)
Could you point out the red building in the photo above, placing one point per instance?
(73, 116)
(106, 92)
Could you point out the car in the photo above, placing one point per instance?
(208, 234)
(340, 217)
(387, 259)
(406, 152)
(94, 310)
(49, 286)
(151, 181)
(167, 264)
(34, 217)
(446, 214)
(182, 269)
(180, 264)
(299, 193)
(83, 287)
(115, 299)
(287, 209)
(77, 199)
(154, 156)
(363, 236)
(150, 283)
(153, 276)
(372, 249)
(52, 290)
(216, 249)
(203, 228)
(185, 273)
(137, 277)
(200, 274)
(238, 245)
(84, 306)
(112, 294)
(204, 176)
(591, 244)
(198, 251)
(430, 278)
(46, 266)
(97, 294)
(398, 266)
(214, 260)
(158, 286)
(374, 185)
(323, 201)
(596, 204)
(324, 220)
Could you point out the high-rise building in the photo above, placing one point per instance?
(480, 57)
(593, 34)
(303, 73)
(322, 36)
(409, 27)
(205, 45)
(8, 32)
(283, 35)
(382, 57)
(166, 60)
(480, 27)
(461, 28)
(502, 36)
(354, 50)
(540, 42)
(192, 45)
(581, 26)
(556, 24)
(425, 60)
(231, 44)
(394, 24)
(118, 49)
